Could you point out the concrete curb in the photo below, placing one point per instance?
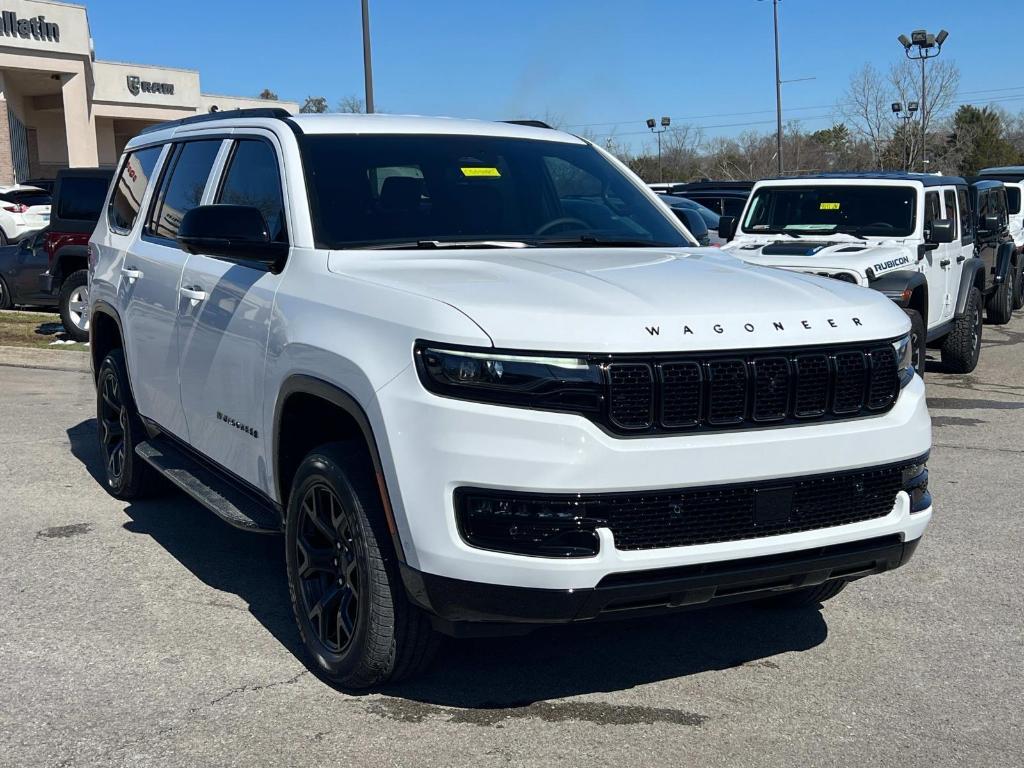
(45, 359)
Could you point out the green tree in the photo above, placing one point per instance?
(268, 95)
(982, 134)
(314, 104)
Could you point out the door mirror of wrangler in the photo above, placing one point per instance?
(942, 231)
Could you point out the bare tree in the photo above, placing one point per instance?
(351, 105)
(867, 112)
(943, 80)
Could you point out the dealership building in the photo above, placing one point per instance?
(60, 106)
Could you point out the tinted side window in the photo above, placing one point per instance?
(1013, 199)
(931, 210)
(182, 186)
(81, 199)
(253, 178)
(966, 222)
(950, 196)
(714, 203)
(732, 206)
(131, 187)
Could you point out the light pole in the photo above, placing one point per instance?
(367, 68)
(897, 109)
(778, 88)
(652, 124)
(928, 47)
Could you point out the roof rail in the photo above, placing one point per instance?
(530, 123)
(226, 114)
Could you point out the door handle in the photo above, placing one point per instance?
(944, 263)
(195, 294)
(961, 259)
(131, 273)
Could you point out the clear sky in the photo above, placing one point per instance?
(603, 64)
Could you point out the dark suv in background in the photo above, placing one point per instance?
(995, 247)
(726, 198)
(78, 197)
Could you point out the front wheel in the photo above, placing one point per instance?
(73, 304)
(6, 302)
(1018, 294)
(918, 340)
(962, 346)
(355, 620)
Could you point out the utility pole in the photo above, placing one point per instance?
(367, 66)
(778, 88)
(652, 124)
(928, 47)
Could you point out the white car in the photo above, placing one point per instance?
(483, 381)
(23, 210)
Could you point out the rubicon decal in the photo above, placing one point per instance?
(891, 264)
(774, 325)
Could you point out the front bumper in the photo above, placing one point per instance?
(430, 446)
(457, 605)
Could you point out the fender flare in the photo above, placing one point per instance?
(899, 285)
(1004, 258)
(967, 280)
(102, 307)
(64, 255)
(310, 385)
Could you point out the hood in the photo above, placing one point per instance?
(848, 254)
(630, 299)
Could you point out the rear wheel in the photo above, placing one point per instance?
(119, 430)
(1018, 294)
(346, 591)
(962, 346)
(999, 307)
(73, 305)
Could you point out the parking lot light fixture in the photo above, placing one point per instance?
(922, 46)
(652, 124)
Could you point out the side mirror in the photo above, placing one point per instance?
(942, 231)
(727, 227)
(990, 223)
(236, 233)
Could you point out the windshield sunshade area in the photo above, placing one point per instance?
(437, 191)
(882, 211)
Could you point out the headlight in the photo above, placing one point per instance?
(904, 359)
(529, 381)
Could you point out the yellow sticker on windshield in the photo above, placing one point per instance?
(829, 207)
(480, 172)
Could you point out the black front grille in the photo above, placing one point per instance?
(746, 389)
(557, 524)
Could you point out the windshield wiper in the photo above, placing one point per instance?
(440, 244)
(852, 231)
(591, 241)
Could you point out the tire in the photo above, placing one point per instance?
(73, 305)
(119, 429)
(999, 307)
(1018, 294)
(3, 238)
(918, 338)
(6, 301)
(374, 634)
(808, 596)
(962, 346)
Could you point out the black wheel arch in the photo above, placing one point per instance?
(312, 387)
(907, 288)
(68, 259)
(973, 276)
(105, 333)
(1004, 261)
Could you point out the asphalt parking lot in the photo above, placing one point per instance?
(153, 634)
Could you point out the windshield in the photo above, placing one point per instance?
(376, 190)
(882, 211)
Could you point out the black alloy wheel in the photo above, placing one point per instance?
(328, 548)
(112, 424)
(119, 429)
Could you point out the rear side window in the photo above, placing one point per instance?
(182, 186)
(253, 178)
(966, 222)
(27, 197)
(950, 196)
(81, 198)
(131, 187)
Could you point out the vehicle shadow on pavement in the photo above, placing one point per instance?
(484, 674)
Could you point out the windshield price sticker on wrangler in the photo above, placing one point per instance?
(444, 301)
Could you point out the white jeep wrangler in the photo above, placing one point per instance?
(483, 381)
(910, 236)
